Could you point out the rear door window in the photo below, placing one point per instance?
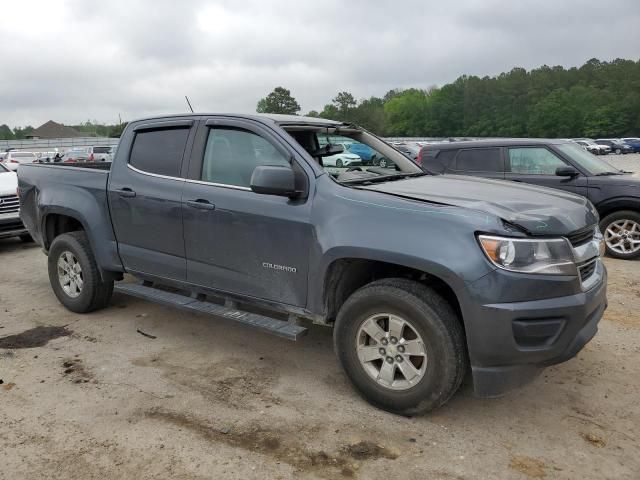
(159, 151)
(479, 160)
(534, 161)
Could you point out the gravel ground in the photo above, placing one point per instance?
(208, 399)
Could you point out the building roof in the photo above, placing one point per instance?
(52, 129)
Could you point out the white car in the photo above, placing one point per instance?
(344, 159)
(14, 158)
(10, 223)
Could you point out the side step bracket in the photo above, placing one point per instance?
(280, 328)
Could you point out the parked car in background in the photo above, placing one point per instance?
(365, 152)
(557, 164)
(590, 147)
(617, 146)
(633, 142)
(46, 157)
(87, 154)
(14, 158)
(344, 159)
(101, 154)
(411, 150)
(604, 149)
(10, 223)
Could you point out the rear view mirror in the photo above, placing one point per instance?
(566, 172)
(328, 150)
(273, 180)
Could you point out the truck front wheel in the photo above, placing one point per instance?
(74, 275)
(402, 346)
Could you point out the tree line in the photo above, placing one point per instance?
(598, 99)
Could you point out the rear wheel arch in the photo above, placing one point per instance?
(55, 224)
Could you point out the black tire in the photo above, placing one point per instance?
(95, 293)
(339, 163)
(614, 217)
(26, 238)
(435, 321)
(374, 160)
(618, 151)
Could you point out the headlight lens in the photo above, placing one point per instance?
(548, 256)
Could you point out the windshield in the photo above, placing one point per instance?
(586, 160)
(351, 155)
(23, 155)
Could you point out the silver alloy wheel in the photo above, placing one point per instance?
(383, 163)
(623, 236)
(70, 274)
(391, 351)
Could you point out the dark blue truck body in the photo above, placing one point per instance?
(305, 255)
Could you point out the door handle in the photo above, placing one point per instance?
(126, 192)
(201, 204)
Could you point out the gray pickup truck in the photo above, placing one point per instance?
(423, 278)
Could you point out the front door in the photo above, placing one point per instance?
(238, 241)
(537, 165)
(145, 194)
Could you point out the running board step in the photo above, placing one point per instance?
(274, 326)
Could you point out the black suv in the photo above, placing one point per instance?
(551, 163)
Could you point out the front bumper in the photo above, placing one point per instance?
(11, 225)
(510, 343)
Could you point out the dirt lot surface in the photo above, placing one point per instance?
(87, 396)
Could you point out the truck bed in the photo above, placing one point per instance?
(50, 188)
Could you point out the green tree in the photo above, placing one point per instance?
(278, 101)
(6, 133)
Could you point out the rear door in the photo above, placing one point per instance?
(482, 162)
(145, 194)
(537, 165)
(238, 241)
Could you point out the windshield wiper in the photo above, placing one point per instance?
(383, 178)
(604, 174)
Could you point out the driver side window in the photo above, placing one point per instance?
(232, 154)
(534, 161)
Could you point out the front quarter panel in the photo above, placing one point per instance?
(439, 240)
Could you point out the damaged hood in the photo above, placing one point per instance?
(539, 210)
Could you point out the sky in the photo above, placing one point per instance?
(78, 60)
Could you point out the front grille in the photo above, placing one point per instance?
(581, 236)
(11, 226)
(9, 204)
(587, 270)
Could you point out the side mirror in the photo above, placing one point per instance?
(272, 180)
(566, 172)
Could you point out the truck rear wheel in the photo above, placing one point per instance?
(74, 275)
(402, 346)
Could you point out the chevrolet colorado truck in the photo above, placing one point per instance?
(423, 278)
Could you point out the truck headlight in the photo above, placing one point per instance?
(545, 256)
